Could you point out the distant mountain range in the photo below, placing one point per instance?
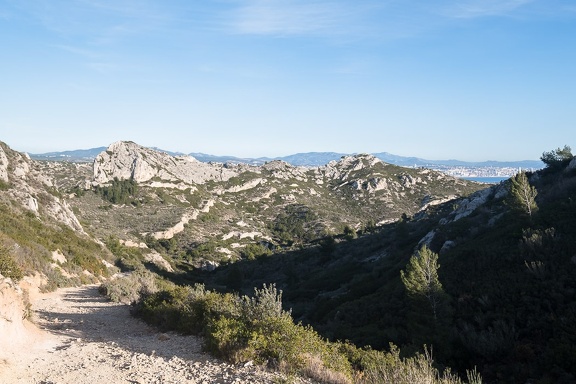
(75, 156)
(301, 159)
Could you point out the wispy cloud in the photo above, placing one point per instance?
(482, 8)
(299, 17)
(373, 19)
(96, 21)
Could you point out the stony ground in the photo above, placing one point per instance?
(88, 340)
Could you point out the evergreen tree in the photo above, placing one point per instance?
(523, 195)
(557, 158)
(421, 278)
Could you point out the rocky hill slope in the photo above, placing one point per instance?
(27, 183)
(38, 227)
(226, 207)
(506, 302)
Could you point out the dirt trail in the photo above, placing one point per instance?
(90, 340)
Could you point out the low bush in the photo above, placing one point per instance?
(389, 367)
(128, 288)
(8, 266)
(242, 328)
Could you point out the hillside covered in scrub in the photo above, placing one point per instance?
(506, 302)
(313, 270)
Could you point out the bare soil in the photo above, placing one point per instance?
(86, 339)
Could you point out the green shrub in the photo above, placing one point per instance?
(119, 192)
(257, 329)
(253, 251)
(8, 266)
(128, 258)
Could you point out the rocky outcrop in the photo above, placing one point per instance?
(3, 165)
(128, 160)
(348, 165)
(28, 184)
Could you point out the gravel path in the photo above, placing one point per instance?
(90, 340)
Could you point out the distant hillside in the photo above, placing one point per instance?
(231, 205)
(415, 161)
(228, 159)
(78, 156)
(507, 303)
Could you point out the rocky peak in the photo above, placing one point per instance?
(127, 160)
(344, 168)
(355, 162)
(282, 170)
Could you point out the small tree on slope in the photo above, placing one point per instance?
(421, 278)
(523, 195)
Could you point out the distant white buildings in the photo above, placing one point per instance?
(479, 171)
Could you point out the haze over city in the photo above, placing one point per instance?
(470, 80)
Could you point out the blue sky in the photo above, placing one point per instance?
(470, 79)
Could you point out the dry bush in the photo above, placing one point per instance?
(315, 369)
(129, 288)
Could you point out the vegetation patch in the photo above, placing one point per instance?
(256, 328)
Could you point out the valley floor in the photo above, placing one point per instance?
(86, 339)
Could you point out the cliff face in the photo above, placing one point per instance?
(127, 160)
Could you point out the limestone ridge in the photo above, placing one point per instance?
(363, 172)
(26, 182)
(128, 160)
(215, 198)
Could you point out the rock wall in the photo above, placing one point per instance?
(3, 165)
(128, 160)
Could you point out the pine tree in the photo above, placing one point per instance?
(523, 195)
(421, 278)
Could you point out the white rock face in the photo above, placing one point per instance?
(127, 160)
(179, 227)
(467, 206)
(284, 171)
(21, 168)
(159, 261)
(32, 204)
(246, 186)
(3, 166)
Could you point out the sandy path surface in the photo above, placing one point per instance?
(89, 340)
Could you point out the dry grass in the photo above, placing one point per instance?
(315, 369)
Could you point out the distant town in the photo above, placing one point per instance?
(479, 171)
